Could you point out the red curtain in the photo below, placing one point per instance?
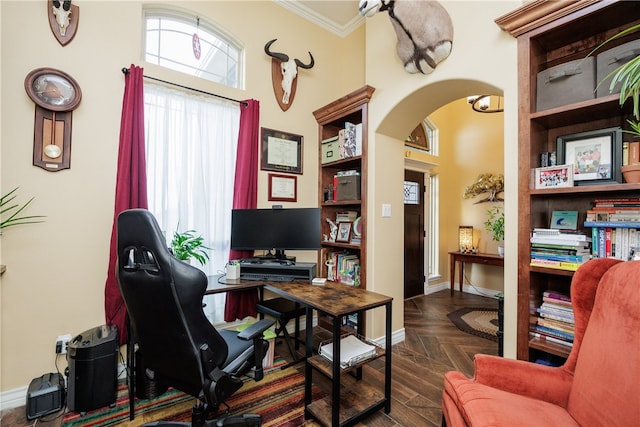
(241, 304)
(131, 187)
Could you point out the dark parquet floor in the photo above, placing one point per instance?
(432, 346)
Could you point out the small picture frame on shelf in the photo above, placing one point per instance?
(596, 155)
(554, 177)
(344, 232)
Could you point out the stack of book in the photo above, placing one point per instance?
(614, 227)
(555, 321)
(559, 249)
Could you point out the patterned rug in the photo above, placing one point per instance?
(278, 398)
(481, 322)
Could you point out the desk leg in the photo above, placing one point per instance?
(452, 272)
(309, 352)
(131, 369)
(461, 274)
(387, 362)
(335, 381)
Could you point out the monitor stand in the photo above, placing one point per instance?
(278, 257)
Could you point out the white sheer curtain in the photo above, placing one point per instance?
(191, 154)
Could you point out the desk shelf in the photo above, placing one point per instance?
(356, 404)
(325, 366)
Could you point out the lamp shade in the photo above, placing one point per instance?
(465, 238)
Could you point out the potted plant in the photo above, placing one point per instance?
(186, 245)
(495, 225)
(14, 210)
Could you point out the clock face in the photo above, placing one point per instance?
(53, 89)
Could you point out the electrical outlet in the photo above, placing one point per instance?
(62, 342)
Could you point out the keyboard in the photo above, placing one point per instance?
(267, 277)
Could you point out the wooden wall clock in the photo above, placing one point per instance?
(56, 94)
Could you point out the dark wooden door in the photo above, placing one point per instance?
(414, 234)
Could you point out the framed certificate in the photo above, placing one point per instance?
(281, 151)
(283, 188)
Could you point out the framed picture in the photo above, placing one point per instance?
(283, 188)
(344, 232)
(596, 155)
(554, 176)
(564, 220)
(281, 151)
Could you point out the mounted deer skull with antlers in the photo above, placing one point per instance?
(284, 72)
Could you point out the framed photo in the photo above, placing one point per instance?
(283, 188)
(596, 155)
(554, 177)
(564, 220)
(281, 151)
(344, 232)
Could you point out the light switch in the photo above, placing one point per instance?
(386, 210)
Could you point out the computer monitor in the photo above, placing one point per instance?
(275, 229)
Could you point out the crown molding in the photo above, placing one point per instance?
(322, 21)
(537, 13)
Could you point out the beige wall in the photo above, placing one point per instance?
(401, 100)
(54, 283)
(55, 275)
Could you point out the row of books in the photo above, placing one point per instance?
(555, 321)
(559, 249)
(343, 267)
(614, 227)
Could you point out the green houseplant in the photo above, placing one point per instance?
(495, 223)
(13, 210)
(187, 245)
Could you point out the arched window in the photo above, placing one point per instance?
(193, 46)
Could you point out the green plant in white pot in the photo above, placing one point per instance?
(187, 245)
(495, 226)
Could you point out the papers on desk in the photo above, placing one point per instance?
(352, 351)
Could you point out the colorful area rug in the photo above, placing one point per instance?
(278, 398)
(481, 322)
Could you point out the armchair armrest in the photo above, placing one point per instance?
(256, 330)
(540, 382)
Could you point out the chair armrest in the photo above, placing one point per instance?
(540, 382)
(256, 330)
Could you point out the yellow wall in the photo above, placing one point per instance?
(470, 145)
(54, 283)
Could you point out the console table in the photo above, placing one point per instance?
(337, 301)
(479, 258)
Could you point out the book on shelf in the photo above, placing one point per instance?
(559, 236)
(613, 224)
(555, 333)
(556, 316)
(557, 324)
(557, 296)
(561, 257)
(551, 300)
(565, 249)
(542, 336)
(352, 351)
(558, 265)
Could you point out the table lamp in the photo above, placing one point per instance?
(465, 238)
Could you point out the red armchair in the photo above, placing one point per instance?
(599, 385)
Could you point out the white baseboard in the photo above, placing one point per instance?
(491, 293)
(13, 398)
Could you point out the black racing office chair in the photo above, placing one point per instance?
(283, 310)
(163, 297)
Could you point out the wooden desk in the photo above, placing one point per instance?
(337, 301)
(480, 258)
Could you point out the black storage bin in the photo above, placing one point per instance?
(93, 363)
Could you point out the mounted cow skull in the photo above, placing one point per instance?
(284, 72)
(63, 20)
(423, 28)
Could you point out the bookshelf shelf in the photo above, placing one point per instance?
(549, 347)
